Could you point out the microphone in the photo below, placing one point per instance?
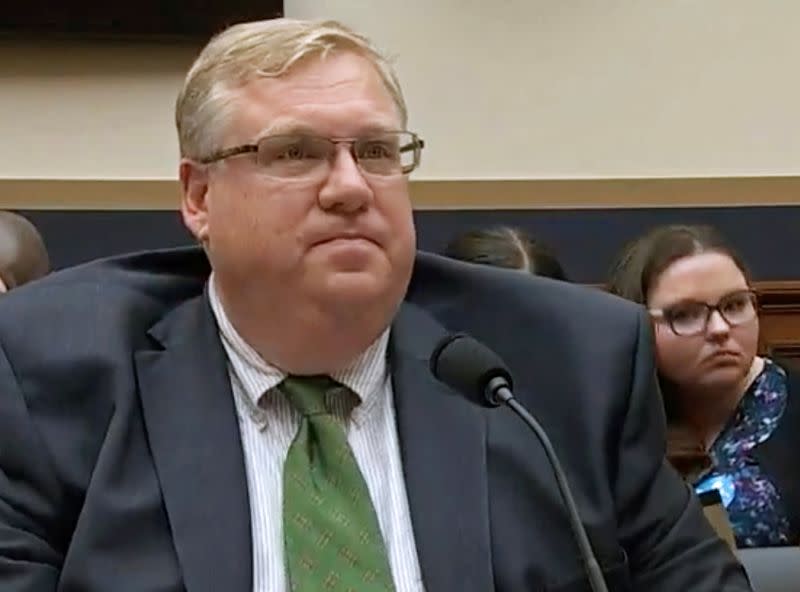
(477, 372)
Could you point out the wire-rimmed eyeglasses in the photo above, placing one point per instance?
(303, 155)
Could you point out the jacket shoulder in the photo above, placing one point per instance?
(99, 306)
(442, 284)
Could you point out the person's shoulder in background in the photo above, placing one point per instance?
(441, 283)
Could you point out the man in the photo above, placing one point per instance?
(23, 256)
(258, 414)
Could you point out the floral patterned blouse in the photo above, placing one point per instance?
(753, 502)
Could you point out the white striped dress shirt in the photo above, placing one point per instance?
(268, 423)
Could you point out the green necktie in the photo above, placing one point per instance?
(331, 533)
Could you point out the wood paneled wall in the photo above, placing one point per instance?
(780, 318)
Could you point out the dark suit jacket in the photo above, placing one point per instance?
(121, 464)
(779, 456)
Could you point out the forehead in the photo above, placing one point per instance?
(339, 95)
(705, 277)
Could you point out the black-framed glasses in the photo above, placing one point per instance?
(691, 317)
(287, 156)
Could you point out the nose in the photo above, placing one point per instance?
(345, 189)
(717, 327)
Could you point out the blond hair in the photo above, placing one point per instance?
(253, 50)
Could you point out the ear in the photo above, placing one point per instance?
(194, 203)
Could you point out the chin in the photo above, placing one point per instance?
(723, 377)
(355, 286)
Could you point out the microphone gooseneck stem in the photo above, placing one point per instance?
(501, 394)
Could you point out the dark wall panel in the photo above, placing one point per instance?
(76, 236)
(768, 238)
(144, 19)
(586, 240)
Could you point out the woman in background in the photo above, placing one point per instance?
(734, 425)
(506, 247)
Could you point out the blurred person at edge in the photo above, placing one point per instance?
(23, 256)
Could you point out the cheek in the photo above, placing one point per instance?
(403, 227)
(747, 338)
(676, 356)
(394, 204)
(226, 215)
(249, 221)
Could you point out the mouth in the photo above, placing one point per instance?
(344, 239)
(723, 356)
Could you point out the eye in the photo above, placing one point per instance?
(685, 312)
(291, 149)
(377, 149)
(294, 151)
(736, 303)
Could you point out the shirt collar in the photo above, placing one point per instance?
(365, 376)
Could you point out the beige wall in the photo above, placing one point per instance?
(513, 89)
(588, 88)
(89, 110)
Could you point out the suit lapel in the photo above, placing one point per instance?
(443, 445)
(777, 454)
(191, 424)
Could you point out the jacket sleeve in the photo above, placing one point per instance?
(31, 548)
(670, 544)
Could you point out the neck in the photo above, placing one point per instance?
(305, 340)
(707, 413)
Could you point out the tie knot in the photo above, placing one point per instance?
(307, 394)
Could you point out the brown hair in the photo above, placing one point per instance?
(511, 248)
(632, 277)
(644, 259)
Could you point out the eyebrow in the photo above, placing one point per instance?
(291, 126)
(696, 301)
(286, 126)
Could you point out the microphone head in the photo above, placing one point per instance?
(468, 366)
